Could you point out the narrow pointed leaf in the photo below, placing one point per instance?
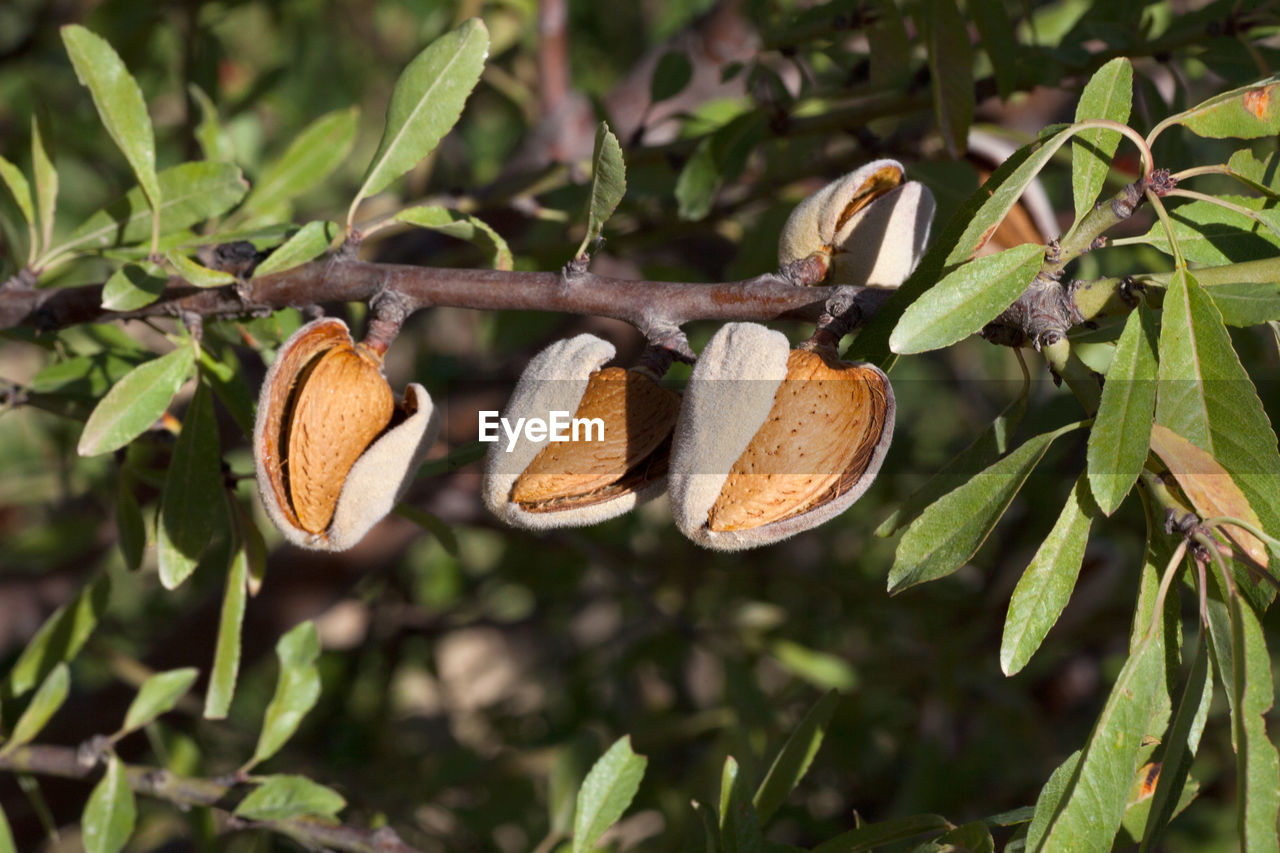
(1211, 234)
(135, 402)
(739, 825)
(44, 704)
(966, 299)
(284, 797)
(606, 793)
(46, 182)
(672, 73)
(158, 694)
(193, 192)
(1249, 112)
(1046, 585)
(1205, 396)
(110, 813)
(463, 226)
(119, 102)
(213, 140)
(888, 44)
(1246, 304)
(192, 488)
(570, 766)
(200, 276)
(954, 527)
(1119, 436)
(131, 532)
(226, 656)
(984, 450)
(999, 41)
(134, 286)
(1263, 175)
(793, 760)
(876, 835)
(6, 836)
(1093, 801)
(297, 689)
(425, 104)
(951, 69)
(1050, 800)
(308, 242)
(608, 184)
(310, 158)
(1108, 95)
(21, 192)
(1257, 763)
(60, 637)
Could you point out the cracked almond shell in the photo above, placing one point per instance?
(546, 484)
(333, 452)
(771, 441)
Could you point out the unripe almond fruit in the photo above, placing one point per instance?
(324, 413)
(543, 484)
(771, 441)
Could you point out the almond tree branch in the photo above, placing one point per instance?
(185, 792)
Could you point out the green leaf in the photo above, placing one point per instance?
(1108, 95)
(463, 226)
(297, 689)
(192, 488)
(1118, 439)
(60, 637)
(1249, 112)
(874, 835)
(606, 792)
(46, 182)
(672, 73)
(1050, 799)
(697, 184)
(6, 836)
(972, 837)
(981, 452)
(308, 242)
(21, 192)
(1263, 175)
(193, 192)
(310, 158)
(967, 299)
(1094, 800)
(119, 102)
(213, 140)
(283, 797)
(227, 379)
(887, 40)
(998, 40)
(425, 104)
(1246, 303)
(954, 527)
(158, 694)
(135, 402)
(226, 656)
(720, 157)
(793, 760)
(1257, 763)
(820, 669)
(134, 286)
(739, 825)
(44, 704)
(951, 70)
(110, 813)
(564, 780)
(1046, 585)
(1206, 396)
(608, 184)
(1211, 234)
(131, 533)
(194, 273)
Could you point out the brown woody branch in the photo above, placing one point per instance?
(183, 791)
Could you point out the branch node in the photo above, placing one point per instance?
(389, 308)
(1161, 182)
(23, 279)
(92, 751)
(806, 271)
(575, 269)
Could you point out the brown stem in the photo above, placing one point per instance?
(184, 791)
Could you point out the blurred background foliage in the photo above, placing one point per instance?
(466, 674)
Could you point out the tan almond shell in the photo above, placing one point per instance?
(816, 221)
(815, 444)
(556, 379)
(371, 488)
(342, 404)
(702, 467)
(881, 244)
(637, 415)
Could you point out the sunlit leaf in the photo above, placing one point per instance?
(1119, 436)
(6, 835)
(1246, 303)
(310, 158)
(1245, 113)
(297, 689)
(1211, 234)
(119, 102)
(739, 825)
(200, 276)
(608, 184)
(46, 182)
(226, 656)
(158, 694)
(1046, 585)
(606, 792)
(134, 286)
(212, 138)
(1257, 764)
(309, 242)
(110, 813)
(44, 704)
(425, 104)
(463, 226)
(793, 760)
(60, 637)
(1108, 95)
(21, 192)
(283, 797)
